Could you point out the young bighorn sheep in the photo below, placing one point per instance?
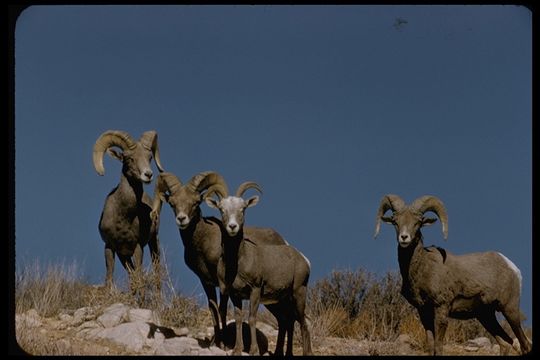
(274, 275)
(201, 236)
(441, 285)
(125, 225)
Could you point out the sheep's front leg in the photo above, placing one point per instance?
(254, 299)
(223, 300)
(441, 323)
(426, 317)
(109, 264)
(239, 343)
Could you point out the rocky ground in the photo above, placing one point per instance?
(122, 330)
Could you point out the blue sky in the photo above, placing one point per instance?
(328, 108)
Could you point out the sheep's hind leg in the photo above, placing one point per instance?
(489, 321)
(300, 306)
(513, 318)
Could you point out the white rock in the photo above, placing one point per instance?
(113, 315)
(471, 348)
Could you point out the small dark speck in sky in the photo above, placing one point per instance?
(399, 23)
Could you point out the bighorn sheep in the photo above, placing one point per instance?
(201, 236)
(275, 275)
(125, 225)
(440, 284)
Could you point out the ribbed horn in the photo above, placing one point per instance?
(218, 189)
(205, 180)
(432, 203)
(247, 185)
(108, 139)
(149, 140)
(388, 202)
(165, 182)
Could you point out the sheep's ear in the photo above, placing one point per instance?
(252, 201)
(387, 219)
(213, 203)
(115, 154)
(428, 221)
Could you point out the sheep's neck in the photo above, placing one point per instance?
(231, 246)
(195, 229)
(409, 257)
(130, 192)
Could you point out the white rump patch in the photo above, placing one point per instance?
(514, 268)
(304, 256)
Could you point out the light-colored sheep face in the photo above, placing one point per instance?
(185, 204)
(407, 224)
(136, 163)
(232, 211)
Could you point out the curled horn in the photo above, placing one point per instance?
(207, 180)
(165, 182)
(108, 139)
(388, 202)
(432, 203)
(149, 141)
(247, 185)
(218, 189)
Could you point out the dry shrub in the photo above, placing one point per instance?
(358, 304)
(383, 309)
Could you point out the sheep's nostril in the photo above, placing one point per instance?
(148, 174)
(232, 226)
(404, 237)
(182, 218)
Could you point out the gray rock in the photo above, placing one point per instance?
(65, 317)
(89, 325)
(471, 348)
(267, 329)
(177, 346)
(404, 339)
(205, 352)
(28, 319)
(132, 335)
(83, 314)
(479, 342)
(113, 315)
(181, 332)
(217, 351)
(141, 315)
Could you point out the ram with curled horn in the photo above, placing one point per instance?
(125, 225)
(247, 270)
(441, 285)
(201, 235)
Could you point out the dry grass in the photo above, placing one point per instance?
(57, 288)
